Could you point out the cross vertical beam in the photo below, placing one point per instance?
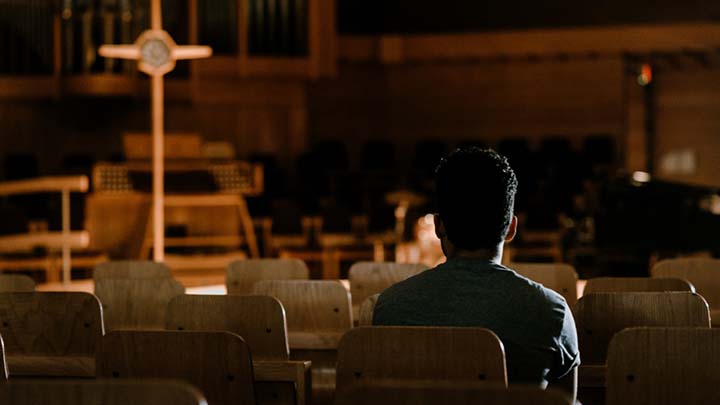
(158, 164)
(156, 53)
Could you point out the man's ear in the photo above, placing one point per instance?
(439, 226)
(512, 229)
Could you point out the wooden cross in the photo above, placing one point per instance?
(156, 53)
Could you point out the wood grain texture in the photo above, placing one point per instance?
(446, 392)
(135, 295)
(16, 283)
(259, 320)
(369, 278)
(50, 333)
(636, 284)
(367, 309)
(559, 277)
(599, 316)
(243, 274)
(701, 272)
(218, 363)
(664, 366)
(420, 354)
(318, 312)
(118, 235)
(105, 392)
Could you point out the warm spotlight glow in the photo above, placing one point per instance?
(428, 219)
(645, 76)
(641, 177)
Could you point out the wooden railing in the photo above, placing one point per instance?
(65, 240)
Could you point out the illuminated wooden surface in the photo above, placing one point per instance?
(45, 185)
(156, 69)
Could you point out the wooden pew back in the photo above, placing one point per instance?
(135, 294)
(701, 272)
(446, 392)
(370, 278)
(50, 334)
(105, 392)
(16, 283)
(218, 363)
(600, 316)
(259, 320)
(559, 277)
(243, 274)
(636, 284)
(318, 312)
(420, 354)
(662, 366)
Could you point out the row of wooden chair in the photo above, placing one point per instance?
(641, 369)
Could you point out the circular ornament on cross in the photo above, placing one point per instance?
(156, 52)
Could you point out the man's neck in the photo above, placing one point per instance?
(491, 255)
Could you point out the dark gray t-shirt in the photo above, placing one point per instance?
(534, 323)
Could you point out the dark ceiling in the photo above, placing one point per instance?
(436, 16)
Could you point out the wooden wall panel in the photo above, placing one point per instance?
(688, 118)
(465, 100)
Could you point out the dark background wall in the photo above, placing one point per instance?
(427, 16)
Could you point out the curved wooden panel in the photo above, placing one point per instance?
(50, 333)
(662, 366)
(600, 316)
(318, 312)
(369, 278)
(243, 274)
(106, 392)
(260, 320)
(218, 363)
(420, 354)
(445, 392)
(636, 284)
(135, 295)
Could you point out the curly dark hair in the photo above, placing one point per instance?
(475, 190)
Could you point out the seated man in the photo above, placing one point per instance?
(475, 191)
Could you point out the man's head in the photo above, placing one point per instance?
(475, 191)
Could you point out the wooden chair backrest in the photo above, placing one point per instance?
(420, 354)
(243, 274)
(134, 294)
(636, 284)
(369, 278)
(311, 305)
(703, 273)
(16, 283)
(118, 235)
(446, 392)
(259, 320)
(105, 392)
(600, 316)
(367, 309)
(52, 324)
(559, 277)
(217, 363)
(664, 366)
